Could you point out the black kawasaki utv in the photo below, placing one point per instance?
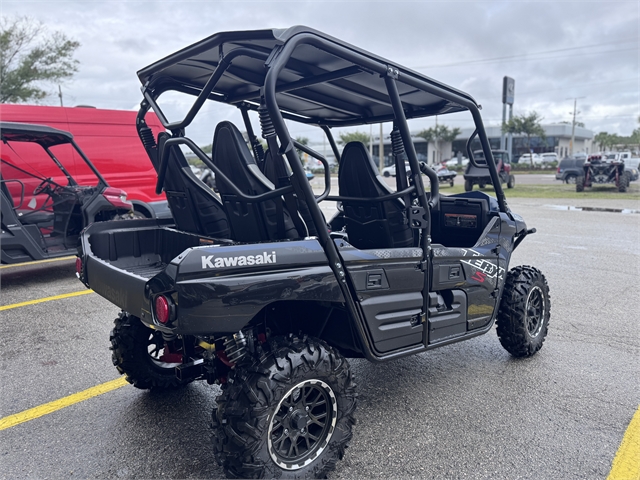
(599, 169)
(477, 173)
(257, 291)
(35, 158)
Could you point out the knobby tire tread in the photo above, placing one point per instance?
(241, 420)
(511, 320)
(129, 342)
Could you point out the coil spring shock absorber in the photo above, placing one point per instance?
(146, 135)
(397, 147)
(266, 124)
(235, 347)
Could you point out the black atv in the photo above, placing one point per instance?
(393, 273)
(48, 225)
(598, 169)
(477, 173)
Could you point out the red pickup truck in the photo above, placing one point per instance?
(109, 138)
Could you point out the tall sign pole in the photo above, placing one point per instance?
(508, 94)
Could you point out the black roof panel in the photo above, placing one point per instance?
(356, 96)
(27, 132)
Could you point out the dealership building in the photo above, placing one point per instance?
(558, 140)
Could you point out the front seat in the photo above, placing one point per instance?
(372, 224)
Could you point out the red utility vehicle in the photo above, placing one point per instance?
(109, 138)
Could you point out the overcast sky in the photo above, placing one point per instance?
(555, 51)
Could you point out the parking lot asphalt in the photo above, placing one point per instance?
(463, 411)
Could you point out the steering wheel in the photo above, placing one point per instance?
(44, 186)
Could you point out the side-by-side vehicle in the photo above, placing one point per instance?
(254, 289)
(41, 218)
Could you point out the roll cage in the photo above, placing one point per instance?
(303, 75)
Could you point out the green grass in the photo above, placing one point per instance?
(556, 191)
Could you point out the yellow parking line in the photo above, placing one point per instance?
(36, 412)
(626, 464)
(46, 299)
(37, 262)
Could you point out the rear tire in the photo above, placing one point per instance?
(580, 184)
(452, 182)
(289, 414)
(511, 182)
(624, 181)
(525, 309)
(468, 185)
(386, 174)
(137, 354)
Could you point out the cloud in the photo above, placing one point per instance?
(572, 49)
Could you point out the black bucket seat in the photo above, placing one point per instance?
(194, 206)
(251, 221)
(371, 224)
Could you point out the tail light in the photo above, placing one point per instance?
(117, 198)
(163, 309)
(78, 267)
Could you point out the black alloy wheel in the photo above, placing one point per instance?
(302, 424)
(535, 310)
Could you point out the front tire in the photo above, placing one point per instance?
(624, 182)
(580, 184)
(289, 414)
(143, 356)
(525, 309)
(511, 182)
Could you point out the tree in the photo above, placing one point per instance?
(439, 133)
(301, 154)
(29, 55)
(345, 138)
(606, 140)
(528, 125)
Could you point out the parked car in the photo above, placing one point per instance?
(390, 171)
(110, 140)
(549, 157)
(569, 169)
(454, 162)
(631, 166)
(526, 159)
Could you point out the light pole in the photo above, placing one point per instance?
(573, 124)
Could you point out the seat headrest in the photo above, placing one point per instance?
(358, 175)
(230, 153)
